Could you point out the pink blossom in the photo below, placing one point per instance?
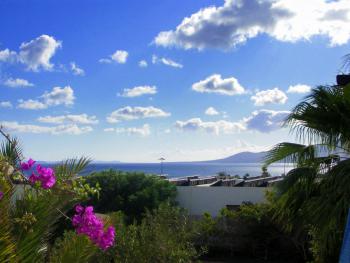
(27, 165)
(46, 176)
(1, 195)
(87, 223)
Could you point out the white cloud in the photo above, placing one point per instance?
(5, 104)
(13, 83)
(55, 130)
(269, 96)
(35, 54)
(211, 111)
(58, 96)
(265, 120)
(216, 84)
(166, 61)
(119, 56)
(141, 131)
(105, 60)
(236, 21)
(299, 88)
(69, 118)
(132, 113)
(139, 91)
(31, 105)
(215, 127)
(143, 64)
(8, 56)
(76, 70)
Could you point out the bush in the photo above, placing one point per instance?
(131, 193)
(246, 232)
(165, 235)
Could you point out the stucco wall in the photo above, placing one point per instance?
(197, 199)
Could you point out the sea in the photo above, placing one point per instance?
(175, 170)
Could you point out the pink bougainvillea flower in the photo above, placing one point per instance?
(27, 165)
(1, 195)
(46, 176)
(33, 178)
(87, 223)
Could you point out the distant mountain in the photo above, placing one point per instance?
(243, 157)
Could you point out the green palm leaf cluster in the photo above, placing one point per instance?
(315, 195)
(29, 215)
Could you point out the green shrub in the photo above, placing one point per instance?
(129, 192)
(248, 232)
(163, 236)
(73, 248)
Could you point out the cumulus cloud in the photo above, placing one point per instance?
(143, 64)
(235, 22)
(38, 52)
(141, 131)
(299, 88)
(269, 96)
(57, 96)
(133, 113)
(31, 105)
(139, 91)
(35, 54)
(265, 120)
(215, 127)
(119, 56)
(69, 118)
(211, 111)
(14, 83)
(166, 61)
(72, 129)
(8, 56)
(216, 84)
(5, 104)
(76, 70)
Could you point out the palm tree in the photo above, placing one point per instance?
(316, 194)
(29, 219)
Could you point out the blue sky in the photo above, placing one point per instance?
(187, 80)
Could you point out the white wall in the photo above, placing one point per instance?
(200, 199)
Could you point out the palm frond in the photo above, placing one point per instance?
(293, 193)
(322, 118)
(44, 209)
(7, 242)
(11, 150)
(346, 63)
(293, 153)
(73, 248)
(70, 168)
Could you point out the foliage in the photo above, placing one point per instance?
(164, 235)
(73, 248)
(129, 192)
(28, 212)
(315, 194)
(246, 232)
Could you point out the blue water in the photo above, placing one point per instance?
(186, 169)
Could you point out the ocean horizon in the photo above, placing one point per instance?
(183, 169)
